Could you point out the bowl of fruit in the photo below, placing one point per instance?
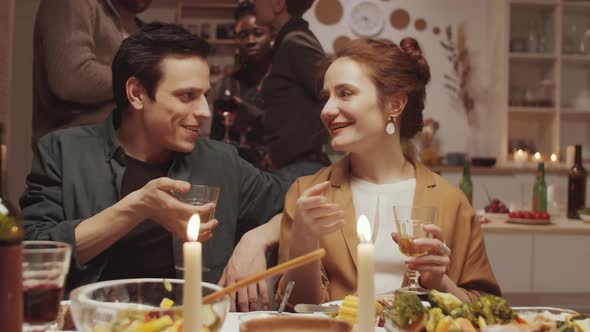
(496, 206)
(529, 217)
(140, 305)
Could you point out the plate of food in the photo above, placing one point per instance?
(444, 312)
(551, 319)
(347, 308)
(529, 218)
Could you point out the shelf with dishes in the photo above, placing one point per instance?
(213, 21)
(548, 74)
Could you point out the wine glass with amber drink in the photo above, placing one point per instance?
(410, 222)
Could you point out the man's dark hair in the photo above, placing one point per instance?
(141, 54)
(298, 7)
(245, 8)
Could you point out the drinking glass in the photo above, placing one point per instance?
(200, 195)
(45, 267)
(410, 222)
(225, 106)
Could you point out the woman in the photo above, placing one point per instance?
(375, 92)
(254, 51)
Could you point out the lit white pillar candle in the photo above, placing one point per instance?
(192, 294)
(366, 277)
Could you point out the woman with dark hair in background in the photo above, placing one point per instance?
(254, 52)
(375, 93)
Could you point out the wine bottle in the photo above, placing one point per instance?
(11, 258)
(540, 190)
(466, 185)
(576, 188)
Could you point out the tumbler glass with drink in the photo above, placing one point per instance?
(199, 195)
(45, 267)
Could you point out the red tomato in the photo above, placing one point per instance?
(512, 215)
(529, 215)
(545, 215)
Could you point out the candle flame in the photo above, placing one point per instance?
(537, 156)
(363, 229)
(192, 231)
(553, 157)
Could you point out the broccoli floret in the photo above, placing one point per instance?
(405, 310)
(446, 301)
(463, 311)
(434, 316)
(494, 309)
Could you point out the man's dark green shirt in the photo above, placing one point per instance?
(77, 172)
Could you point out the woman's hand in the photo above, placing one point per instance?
(432, 266)
(314, 216)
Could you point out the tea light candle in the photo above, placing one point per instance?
(192, 294)
(520, 155)
(366, 277)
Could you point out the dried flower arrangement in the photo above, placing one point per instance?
(458, 81)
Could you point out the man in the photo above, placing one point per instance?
(74, 44)
(291, 91)
(109, 189)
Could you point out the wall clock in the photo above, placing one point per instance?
(366, 18)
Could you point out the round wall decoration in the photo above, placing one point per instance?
(329, 12)
(366, 18)
(399, 19)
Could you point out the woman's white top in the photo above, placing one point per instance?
(376, 202)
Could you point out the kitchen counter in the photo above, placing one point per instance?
(527, 168)
(541, 265)
(558, 226)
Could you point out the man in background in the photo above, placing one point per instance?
(291, 93)
(74, 44)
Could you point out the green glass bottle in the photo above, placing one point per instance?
(576, 187)
(11, 259)
(466, 185)
(540, 190)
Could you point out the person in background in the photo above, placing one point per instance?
(254, 52)
(108, 189)
(292, 104)
(74, 44)
(375, 92)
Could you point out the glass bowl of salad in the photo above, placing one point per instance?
(140, 305)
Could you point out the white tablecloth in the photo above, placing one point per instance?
(232, 322)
